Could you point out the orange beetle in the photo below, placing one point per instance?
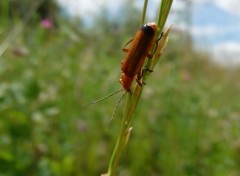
(141, 44)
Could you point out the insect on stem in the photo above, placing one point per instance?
(132, 65)
(97, 101)
(139, 49)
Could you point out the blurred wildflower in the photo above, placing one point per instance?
(20, 51)
(81, 125)
(185, 75)
(46, 23)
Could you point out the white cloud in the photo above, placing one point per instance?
(231, 6)
(201, 1)
(227, 53)
(177, 5)
(224, 52)
(86, 7)
(205, 30)
(80, 7)
(72, 6)
(201, 31)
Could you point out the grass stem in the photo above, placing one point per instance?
(134, 95)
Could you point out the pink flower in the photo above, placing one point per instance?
(47, 23)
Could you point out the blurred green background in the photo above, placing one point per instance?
(187, 122)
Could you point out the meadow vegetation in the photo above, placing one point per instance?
(187, 121)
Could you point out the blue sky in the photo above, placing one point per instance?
(216, 23)
(224, 26)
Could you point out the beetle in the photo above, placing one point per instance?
(132, 65)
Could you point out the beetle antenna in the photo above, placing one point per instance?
(156, 46)
(97, 101)
(116, 106)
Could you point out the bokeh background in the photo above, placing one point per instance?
(57, 55)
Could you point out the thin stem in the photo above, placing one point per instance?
(112, 169)
(144, 12)
(164, 7)
(133, 97)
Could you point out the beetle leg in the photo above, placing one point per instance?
(160, 36)
(138, 79)
(124, 48)
(146, 69)
(156, 46)
(140, 75)
(139, 83)
(128, 42)
(149, 55)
